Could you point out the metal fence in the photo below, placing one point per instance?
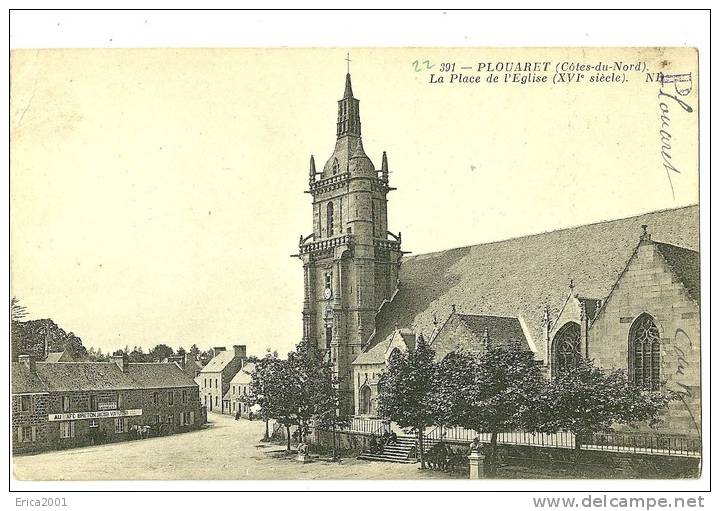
(368, 426)
(673, 445)
(654, 444)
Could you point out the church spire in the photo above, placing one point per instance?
(348, 123)
(348, 87)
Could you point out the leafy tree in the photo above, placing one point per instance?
(406, 388)
(454, 374)
(320, 397)
(494, 392)
(160, 352)
(137, 355)
(194, 352)
(585, 400)
(275, 386)
(96, 355)
(34, 337)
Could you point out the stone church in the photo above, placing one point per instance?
(623, 293)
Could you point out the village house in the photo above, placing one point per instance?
(68, 404)
(187, 363)
(214, 378)
(237, 396)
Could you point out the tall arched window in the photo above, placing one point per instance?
(566, 348)
(365, 400)
(330, 219)
(644, 352)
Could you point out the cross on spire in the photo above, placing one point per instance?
(347, 59)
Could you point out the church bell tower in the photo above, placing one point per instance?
(350, 260)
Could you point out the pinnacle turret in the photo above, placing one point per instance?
(384, 168)
(313, 172)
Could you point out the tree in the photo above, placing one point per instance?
(17, 311)
(275, 386)
(320, 397)
(454, 374)
(406, 387)
(493, 392)
(194, 352)
(585, 400)
(160, 352)
(137, 355)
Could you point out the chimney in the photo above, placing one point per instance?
(240, 351)
(121, 361)
(29, 362)
(177, 359)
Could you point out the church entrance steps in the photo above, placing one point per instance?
(399, 452)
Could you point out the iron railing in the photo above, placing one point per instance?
(368, 426)
(672, 445)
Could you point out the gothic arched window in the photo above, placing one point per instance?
(330, 219)
(365, 400)
(566, 348)
(644, 352)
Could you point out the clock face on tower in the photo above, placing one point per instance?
(328, 293)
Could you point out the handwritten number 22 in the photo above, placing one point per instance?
(418, 65)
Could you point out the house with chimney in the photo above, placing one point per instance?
(214, 378)
(187, 362)
(57, 405)
(236, 399)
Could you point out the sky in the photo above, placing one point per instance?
(157, 195)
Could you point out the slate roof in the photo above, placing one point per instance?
(158, 375)
(520, 276)
(95, 376)
(376, 354)
(685, 264)
(218, 362)
(501, 330)
(57, 356)
(23, 381)
(244, 375)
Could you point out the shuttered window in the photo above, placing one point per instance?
(67, 429)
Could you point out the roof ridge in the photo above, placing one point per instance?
(487, 316)
(571, 227)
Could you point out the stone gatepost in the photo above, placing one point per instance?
(477, 465)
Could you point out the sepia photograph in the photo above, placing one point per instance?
(413, 263)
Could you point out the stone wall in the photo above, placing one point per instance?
(648, 286)
(47, 433)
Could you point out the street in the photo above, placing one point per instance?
(226, 449)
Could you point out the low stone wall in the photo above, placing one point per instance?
(321, 442)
